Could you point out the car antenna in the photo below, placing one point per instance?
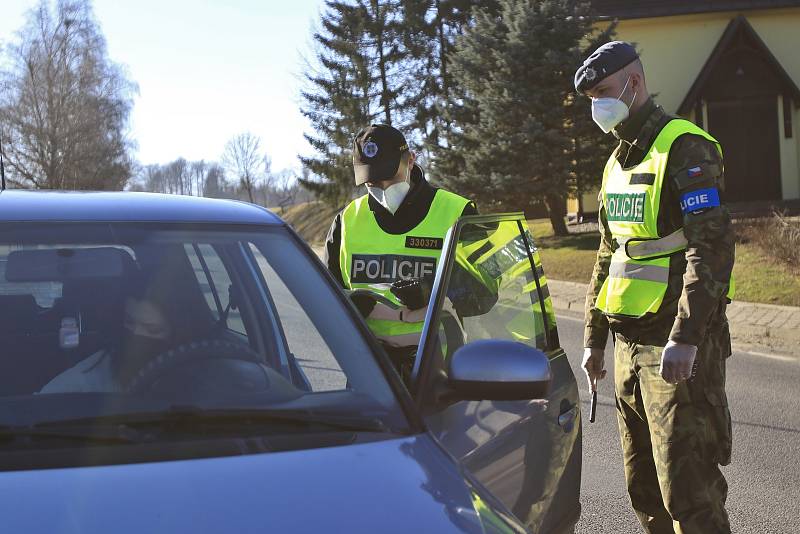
(2, 167)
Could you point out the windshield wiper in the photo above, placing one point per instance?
(187, 415)
(11, 433)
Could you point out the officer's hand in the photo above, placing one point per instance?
(677, 362)
(594, 366)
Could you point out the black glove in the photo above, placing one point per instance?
(413, 293)
(363, 302)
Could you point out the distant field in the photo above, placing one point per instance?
(759, 277)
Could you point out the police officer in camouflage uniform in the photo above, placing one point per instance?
(661, 284)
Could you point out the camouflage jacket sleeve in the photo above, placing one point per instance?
(694, 169)
(596, 325)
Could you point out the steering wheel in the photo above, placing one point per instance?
(207, 365)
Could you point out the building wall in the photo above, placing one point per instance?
(675, 49)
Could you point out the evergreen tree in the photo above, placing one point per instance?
(430, 30)
(517, 128)
(590, 146)
(358, 78)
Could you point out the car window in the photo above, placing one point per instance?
(493, 291)
(216, 285)
(136, 322)
(307, 346)
(44, 294)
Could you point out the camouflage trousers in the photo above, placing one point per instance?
(675, 437)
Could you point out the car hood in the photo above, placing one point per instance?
(396, 485)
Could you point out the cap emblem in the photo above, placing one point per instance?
(370, 149)
(590, 74)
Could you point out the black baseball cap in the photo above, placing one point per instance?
(605, 61)
(376, 153)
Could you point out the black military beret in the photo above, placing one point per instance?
(604, 62)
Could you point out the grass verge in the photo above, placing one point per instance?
(760, 277)
(311, 220)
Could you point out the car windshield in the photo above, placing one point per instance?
(99, 321)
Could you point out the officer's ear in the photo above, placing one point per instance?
(636, 73)
(636, 82)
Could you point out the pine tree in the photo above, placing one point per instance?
(590, 147)
(358, 79)
(430, 30)
(516, 134)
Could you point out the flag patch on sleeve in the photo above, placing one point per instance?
(699, 200)
(694, 172)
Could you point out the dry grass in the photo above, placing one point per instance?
(764, 271)
(311, 220)
(778, 237)
(767, 265)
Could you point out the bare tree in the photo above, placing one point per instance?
(285, 187)
(214, 185)
(64, 105)
(242, 158)
(198, 169)
(269, 178)
(177, 176)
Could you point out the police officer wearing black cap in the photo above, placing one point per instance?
(661, 285)
(384, 245)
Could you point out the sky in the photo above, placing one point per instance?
(206, 70)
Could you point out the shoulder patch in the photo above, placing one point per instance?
(699, 199)
(697, 175)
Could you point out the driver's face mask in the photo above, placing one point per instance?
(143, 318)
(146, 334)
(146, 329)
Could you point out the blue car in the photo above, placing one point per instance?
(174, 364)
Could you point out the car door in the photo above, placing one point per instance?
(490, 285)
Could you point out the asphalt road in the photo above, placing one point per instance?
(764, 477)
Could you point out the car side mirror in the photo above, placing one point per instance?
(492, 369)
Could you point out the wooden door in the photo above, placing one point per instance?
(747, 129)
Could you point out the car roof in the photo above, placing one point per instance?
(76, 206)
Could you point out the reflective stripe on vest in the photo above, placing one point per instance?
(639, 272)
(372, 259)
(638, 249)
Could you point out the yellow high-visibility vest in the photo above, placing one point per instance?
(372, 259)
(639, 272)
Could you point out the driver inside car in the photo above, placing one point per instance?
(146, 334)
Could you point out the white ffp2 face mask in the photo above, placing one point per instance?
(608, 112)
(391, 197)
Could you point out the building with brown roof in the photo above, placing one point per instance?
(732, 67)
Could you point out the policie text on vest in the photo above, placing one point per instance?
(381, 269)
(626, 207)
